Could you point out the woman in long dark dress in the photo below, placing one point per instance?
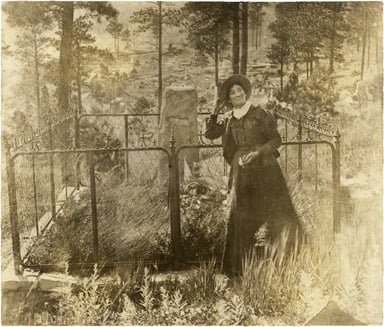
(258, 193)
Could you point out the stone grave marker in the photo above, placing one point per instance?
(179, 116)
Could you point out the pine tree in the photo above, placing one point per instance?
(207, 27)
(82, 49)
(244, 38)
(32, 43)
(235, 37)
(127, 38)
(335, 31)
(282, 31)
(153, 19)
(115, 29)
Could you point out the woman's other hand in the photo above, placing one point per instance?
(248, 158)
(217, 103)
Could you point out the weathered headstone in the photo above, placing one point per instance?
(179, 116)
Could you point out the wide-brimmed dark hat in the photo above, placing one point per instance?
(241, 80)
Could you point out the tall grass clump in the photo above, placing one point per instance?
(172, 302)
(270, 280)
(202, 284)
(284, 283)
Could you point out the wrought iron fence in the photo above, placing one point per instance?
(138, 164)
(120, 209)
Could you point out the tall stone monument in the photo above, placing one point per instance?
(179, 116)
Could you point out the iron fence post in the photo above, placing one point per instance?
(316, 166)
(77, 146)
(92, 184)
(77, 130)
(52, 175)
(35, 194)
(300, 148)
(286, 148)
(174, 199)
(65, 176)
(336, 185)
(13, 214)
(126, 154)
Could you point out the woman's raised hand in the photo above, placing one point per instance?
(217, 103)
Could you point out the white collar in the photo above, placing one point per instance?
(241, 112)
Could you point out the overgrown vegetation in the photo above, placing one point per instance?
(277, 287)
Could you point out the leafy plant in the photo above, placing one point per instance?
(142, 105)
(317, 95)
(203, 222)
(201, 285)
(88, 305)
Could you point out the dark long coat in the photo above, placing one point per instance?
(258, 194)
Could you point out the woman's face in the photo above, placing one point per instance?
(237, 96)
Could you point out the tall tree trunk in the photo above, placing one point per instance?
(282, 76)
(369, 44)
(78, 82)
(115, 46)
(160, 55)
(364, 44)
(65, 57)
(376, 46)
(260, 34)
(256, 35)
(235, 40)
(307, 67)
(244, 38)
(118, 44)
(311, 64)
(37, 79)
(64, 85)
(216, 58)
(333, 36)
(253, 34)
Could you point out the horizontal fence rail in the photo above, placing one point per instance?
(33, 136)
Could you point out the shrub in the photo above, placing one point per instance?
(142, 105)
(314, 96)
(90, 303)
(203, 222)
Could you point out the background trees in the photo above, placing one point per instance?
(32, 42)
(335, 31)
(82, 40)
(282, 51)
(305, 34)
(42, 16)
(207, 28)
(115, 29)
(256, 20)
(152, 19)
(364, 20)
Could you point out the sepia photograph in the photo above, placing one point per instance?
(191, 163)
